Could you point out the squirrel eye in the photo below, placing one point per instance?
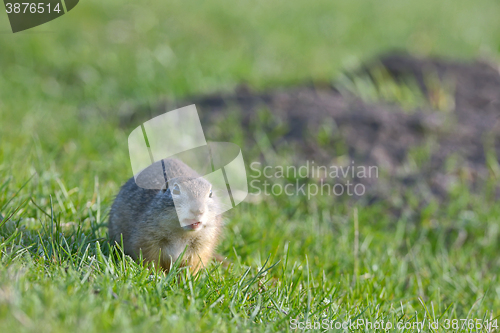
(176, 190)
(210, 194)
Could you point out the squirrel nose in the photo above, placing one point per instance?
(197, 211)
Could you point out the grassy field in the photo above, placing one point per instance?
(63, 157)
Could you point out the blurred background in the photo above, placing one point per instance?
(62, 84)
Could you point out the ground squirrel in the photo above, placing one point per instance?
(149, 223)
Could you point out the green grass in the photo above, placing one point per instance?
(63, 86)
(379, 85)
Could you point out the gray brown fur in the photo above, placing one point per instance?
(148, 222)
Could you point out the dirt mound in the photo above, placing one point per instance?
(322, 124)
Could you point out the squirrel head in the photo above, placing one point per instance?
(194, 201)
